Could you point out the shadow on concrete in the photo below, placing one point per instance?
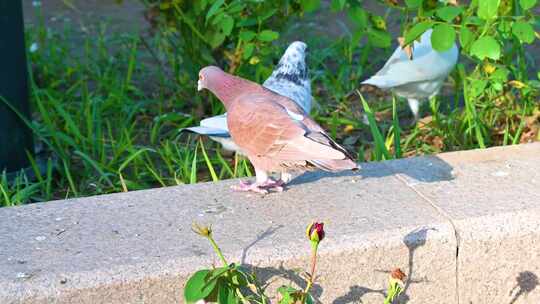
(413, 240)
(355, 294)
(427, 169)
(268, 232)
(526, 282)
(267, 275)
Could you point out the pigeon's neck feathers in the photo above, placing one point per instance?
(228, 87)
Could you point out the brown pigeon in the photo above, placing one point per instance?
(272, 130)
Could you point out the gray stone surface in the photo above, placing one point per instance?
(492, 198)
(137, 247)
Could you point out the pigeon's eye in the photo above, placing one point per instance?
(200, 77)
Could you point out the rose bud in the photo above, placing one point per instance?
(315, 232)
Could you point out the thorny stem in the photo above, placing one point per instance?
(218, 251)
(314, 247)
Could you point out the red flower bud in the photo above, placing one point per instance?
(397, 274)
(315, 232)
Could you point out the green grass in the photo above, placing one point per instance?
(108, 113)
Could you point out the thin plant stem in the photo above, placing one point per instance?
(218, 251)
(314, 247)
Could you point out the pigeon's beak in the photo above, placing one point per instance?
(199, 85)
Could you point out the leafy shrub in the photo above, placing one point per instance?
(493, 35)
(233, 34)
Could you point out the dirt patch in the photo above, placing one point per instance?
(84, 15)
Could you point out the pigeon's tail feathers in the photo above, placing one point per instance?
(335, 165)
(228, 144)
(216, 122)
(214, 132)
(323, 138)
(381, 82)
(213, 126)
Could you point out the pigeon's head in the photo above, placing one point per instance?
(207, 76)
(295, 52)
(292, 65)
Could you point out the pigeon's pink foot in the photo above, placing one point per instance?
(277, 185)
(262, 188)
(250, 187)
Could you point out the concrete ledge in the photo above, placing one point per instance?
(464, 226)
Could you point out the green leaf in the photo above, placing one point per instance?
(486, 47)
(487, 9)
(216, 273)
(214, 8)
(380, 39)
(416, 31)
(226, 295)
(199, 6)
(247, 36)
(500, 75)
(523, 31)
(443, 37)
(358, 16)
(337, 5)
(227, 25)
(235, 8)
(196, 287)
(466, 37)
(218, 17)
(238, 278)
(248, 50)
(449, 13)
(247, 22)
(474, 20)
(477, 87)
(268, 35)
(413, 3)
(310, 5)
(268, 14)
(527, 4)
(289, 295)
(216, 39)
(505, 28)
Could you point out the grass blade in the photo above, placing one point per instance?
(381, 152)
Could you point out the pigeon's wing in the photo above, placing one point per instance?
(427, 64)
(214, 126)
(262, 127)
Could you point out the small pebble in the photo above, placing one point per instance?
(500, 173)
(23, 275)
(40, 238)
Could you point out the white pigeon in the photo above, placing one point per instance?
(418, 78)
(289, 79)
